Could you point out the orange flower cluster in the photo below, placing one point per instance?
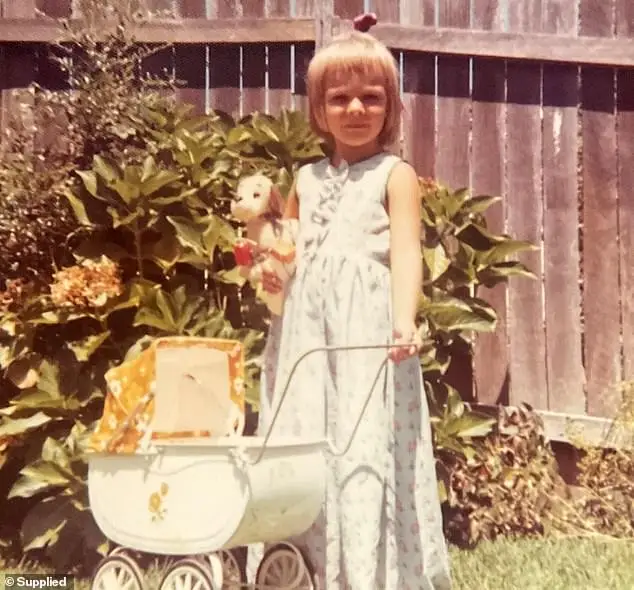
(428, 185)
(89, 284)
(15, 293)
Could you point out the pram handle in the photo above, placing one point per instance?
(333, 449)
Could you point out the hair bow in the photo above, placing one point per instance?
(364, 22)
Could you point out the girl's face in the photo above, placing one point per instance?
(354, 113)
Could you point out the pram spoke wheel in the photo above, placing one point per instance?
(231, 572)
(188, 574)
(283, 566)
(117, 572)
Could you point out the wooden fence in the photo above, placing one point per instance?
(529, 99)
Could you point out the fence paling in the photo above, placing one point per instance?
(561, 240)
(601, 305)
(190, 63)
(561, 224)
(625, 146)
(488, 153)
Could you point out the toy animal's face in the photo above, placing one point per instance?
(252, 198)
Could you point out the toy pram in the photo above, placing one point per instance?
(170, 473)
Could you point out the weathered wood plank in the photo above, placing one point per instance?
(220, 30)
(303, 54)
(190, 62)
(562, 272)
(601, 298)
(18, 66)
(279, 64)
(253, 66)
(490, 363)
(18, 9)
(527, 339)
(453, 126)
(453, 107)
(418, 13)
(429, 39)
(348, 9)
(388, 11)
(55, 8)
(419, 120)
(566, 378)
(558, 426)
(490, 354)
(419, 94)
(625, 143)
(224, 64)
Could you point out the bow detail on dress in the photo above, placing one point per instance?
(326, 206)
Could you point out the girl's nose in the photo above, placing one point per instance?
(355, 105)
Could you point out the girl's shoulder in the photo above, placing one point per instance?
(312, 167)
(310, 172)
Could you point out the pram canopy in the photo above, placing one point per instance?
(178, 387)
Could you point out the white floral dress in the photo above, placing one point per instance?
(381, 526)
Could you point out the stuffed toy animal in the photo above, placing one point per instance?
(270, 240)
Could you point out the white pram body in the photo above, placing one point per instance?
(198, 496)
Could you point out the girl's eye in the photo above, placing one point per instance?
(371, 98)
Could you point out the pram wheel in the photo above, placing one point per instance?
(283, 566)
(188, 574)
(231, 572)
(116, 572)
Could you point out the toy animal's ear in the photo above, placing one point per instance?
(276, 201)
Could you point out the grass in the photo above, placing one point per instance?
(556, 564)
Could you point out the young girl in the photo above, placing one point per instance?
(358, 281)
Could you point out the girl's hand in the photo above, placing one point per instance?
(271, 283)
(405, 335)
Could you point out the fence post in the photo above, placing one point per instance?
(324, 22)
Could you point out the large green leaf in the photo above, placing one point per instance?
(230, 277)
(105, 169)
(19, 426)
(478, 204)
(501, 272)
(190, 233)
(54, 453)
(48, 537)
(42, 400)
(501, 251)
(165, 252)
(436, 260)
(85, 348)
(478, 237)
(38, 478)
(453, 315)
(79, 207)
(158, 181)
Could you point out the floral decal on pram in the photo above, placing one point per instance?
(179, 387)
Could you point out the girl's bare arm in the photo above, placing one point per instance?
(291, 211)
(404, 206)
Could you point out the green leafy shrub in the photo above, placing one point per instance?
(53, 133)
(461, 255)
(507, 484)
(154, 259)
(145, 251)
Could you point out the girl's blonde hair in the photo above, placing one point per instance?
(355, 54)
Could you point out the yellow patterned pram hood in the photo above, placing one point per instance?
(179, 387)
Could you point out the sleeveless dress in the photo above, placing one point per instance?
(381, 524)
